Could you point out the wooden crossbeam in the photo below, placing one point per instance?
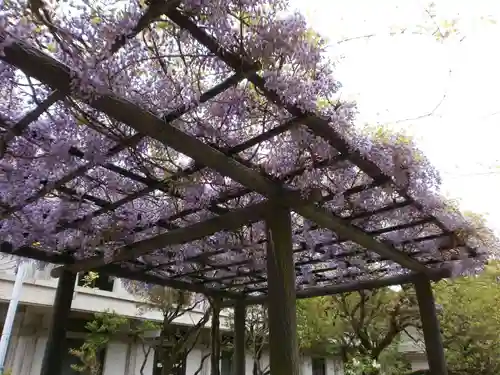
(230, 221)
(320, 291)
(55, 74)
(21, 125)
(120, 272)
(117, 271)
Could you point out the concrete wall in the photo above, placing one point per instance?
(29, 337)
(126, 359)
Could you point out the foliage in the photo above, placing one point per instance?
(90, 278)
(364, 327)
(362, 366)
(470, 322)
(317, 326)
(172, 344)
(100, 330)
(392, 361)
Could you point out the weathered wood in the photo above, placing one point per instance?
(215, 338)
(239, 338)
(283, 346)
(430, 326)
(320, 291)
(230, 221)
(320, 127)
(55, 74)
(55, 348)
(117, 271)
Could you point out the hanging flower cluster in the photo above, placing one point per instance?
(73, 179)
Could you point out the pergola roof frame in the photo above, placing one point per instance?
(50, 72)
(281, 287)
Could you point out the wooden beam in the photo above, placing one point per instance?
(430, 326)
(348, 287)
(283, 345)
(117, 271)
(55, 74)
(55, 349)
(239, 360)
(230, 221)
(34, 253)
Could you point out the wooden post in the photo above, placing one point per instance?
(430, 325)
(283, 346)
(55, 350)
(215, 338)
(239, 338)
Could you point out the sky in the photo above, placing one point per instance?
(445, 93)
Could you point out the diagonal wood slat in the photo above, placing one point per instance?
(128, 142)
(22, 124)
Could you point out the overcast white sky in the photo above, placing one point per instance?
(402, 77)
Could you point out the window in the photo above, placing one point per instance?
(226, 363)
(102, 282)
(318, 366)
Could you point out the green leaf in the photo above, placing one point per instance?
(52, 47)
(164, 25)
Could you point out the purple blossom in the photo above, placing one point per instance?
(162, 69)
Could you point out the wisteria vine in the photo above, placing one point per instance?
(75, 180)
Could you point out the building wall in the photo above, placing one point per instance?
(29, 336)
(39, 290)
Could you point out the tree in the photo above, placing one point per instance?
(470, 322)
(173, 343)
(366, 326)
(256, 336)
(363, 326)
(104, 327)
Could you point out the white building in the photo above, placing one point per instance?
(123, 357)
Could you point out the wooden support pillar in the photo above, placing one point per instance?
(239, 338)
(215, 338)
(430, 326)
(283, 346)
(55, 350)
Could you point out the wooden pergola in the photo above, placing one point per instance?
(283, 210)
